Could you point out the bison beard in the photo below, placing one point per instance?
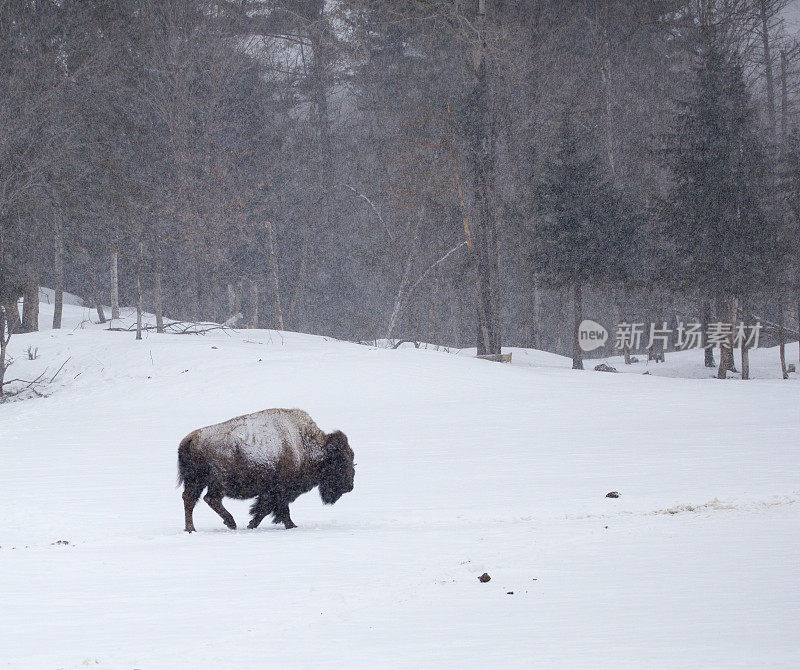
(273, 456)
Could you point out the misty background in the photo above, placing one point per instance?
(464, 173)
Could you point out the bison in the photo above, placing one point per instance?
(274, 456)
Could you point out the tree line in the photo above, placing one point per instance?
(460, 172)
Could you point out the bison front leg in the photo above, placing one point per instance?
(281, 515)
(259, 510)
(191, 494)
(214, 501)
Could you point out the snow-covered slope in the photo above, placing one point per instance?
(764, 362)
(463, 467)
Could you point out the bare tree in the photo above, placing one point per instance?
(5, 337)
(114, 284)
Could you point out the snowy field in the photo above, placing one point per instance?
(463, 467)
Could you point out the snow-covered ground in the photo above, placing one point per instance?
(764, 362)
(463, 467)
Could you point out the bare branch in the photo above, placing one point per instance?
(374, 209)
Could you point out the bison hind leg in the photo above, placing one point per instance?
(191, 494)
(281, 515)
(259, 509)
(214, 500)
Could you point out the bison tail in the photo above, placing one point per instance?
(187, 465)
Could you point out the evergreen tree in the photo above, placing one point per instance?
(720, 223)
(584, 225)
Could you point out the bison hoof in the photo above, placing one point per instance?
(231, 525)
(289, 524)
(188, 530)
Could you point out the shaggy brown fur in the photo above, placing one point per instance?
(274, 456)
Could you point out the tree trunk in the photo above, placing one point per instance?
(481, 326)
(782, 338)
(537, 313)
(231, 300)
(784, 135)
(620, 308)
(139, 292)
(605, 87)
(13, 321)
(577, 307)
(745, 349)
(483, 335)
(705, 319)
(253, 304)
(98, 305)
(745, 359)
(734, 317)
(273, 278)
(114, 284)
(726, 348)
(784, 97)
(158, 294)
(482, 164)
(30, 304)
(299, 287)
(58, 268)
(432, 325)
(410, 315)
(5, 336)
(722, 371)
(399, 298)
(768, 67)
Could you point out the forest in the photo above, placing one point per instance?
(468, 173)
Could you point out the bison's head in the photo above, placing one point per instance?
(337, 468)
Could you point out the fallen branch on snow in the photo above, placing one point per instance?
(30, 385)
(181, 328)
